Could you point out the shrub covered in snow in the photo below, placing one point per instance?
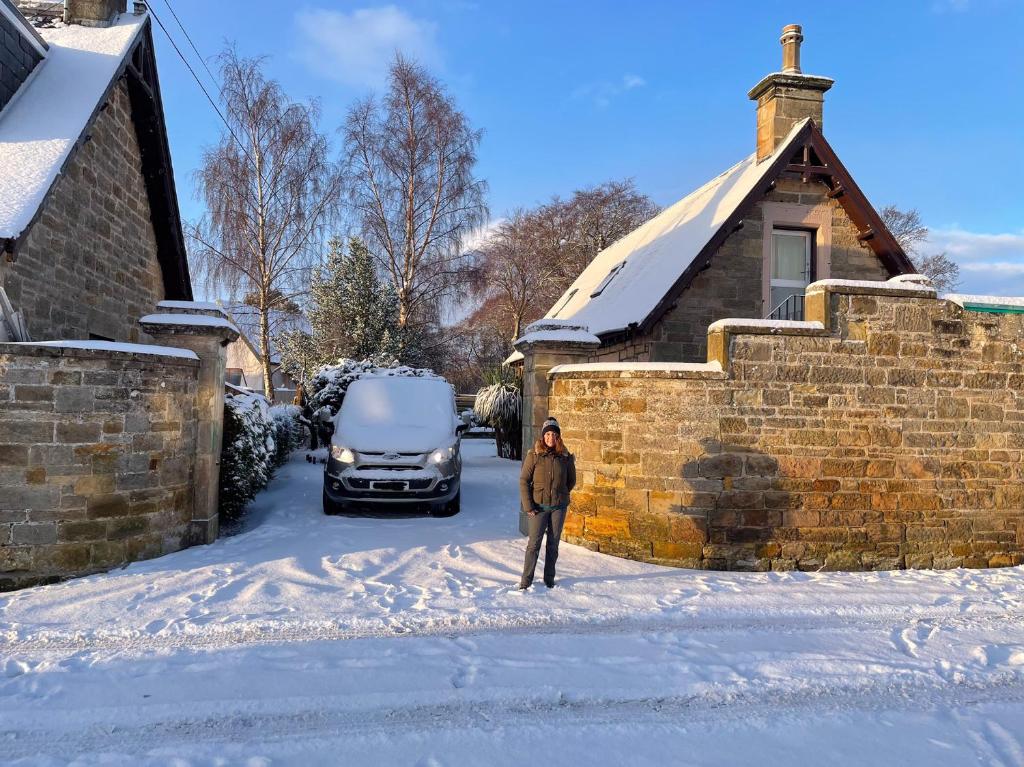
(328, 386)
(289, 431)
(249, 451)
(500, 406)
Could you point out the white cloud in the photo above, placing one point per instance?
(604, 92)
(356, 48)
(990, 264)
(479, 236)
(962, 246)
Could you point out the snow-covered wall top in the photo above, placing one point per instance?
(203, 320)
(40, 127)
(200, 306)
(114, 346)
(655, 255)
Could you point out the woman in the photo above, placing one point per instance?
(548, 475)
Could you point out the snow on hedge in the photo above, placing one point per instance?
(257, 439)
(328, 386)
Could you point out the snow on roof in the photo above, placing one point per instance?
(114, 346)
(655, 255)
(204, 320)
(40, 126)
(513, 358)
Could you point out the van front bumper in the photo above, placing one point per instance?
(442, 493)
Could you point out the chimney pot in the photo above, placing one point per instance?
(787, 97)
(791, 38)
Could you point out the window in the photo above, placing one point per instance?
(565, 303)
(608, 278)
(791, 264)
(234, 376)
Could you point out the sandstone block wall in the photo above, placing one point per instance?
(891, 438)
(97, 454)
(731, 285)
(88, 264)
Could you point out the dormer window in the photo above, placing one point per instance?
(607, 279)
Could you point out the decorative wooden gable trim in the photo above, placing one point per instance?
(808, 156)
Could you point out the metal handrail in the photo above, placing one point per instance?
(790, 309)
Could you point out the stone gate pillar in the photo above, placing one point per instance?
(205, 330)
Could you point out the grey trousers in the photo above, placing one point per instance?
(549, 522)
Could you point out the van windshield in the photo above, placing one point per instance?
(397, 414)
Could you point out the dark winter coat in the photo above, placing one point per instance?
(546, 479)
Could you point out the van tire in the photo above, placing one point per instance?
(330, 507)
(451, 508)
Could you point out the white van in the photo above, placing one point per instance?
(395, 444)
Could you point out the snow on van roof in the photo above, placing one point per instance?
(396, 413)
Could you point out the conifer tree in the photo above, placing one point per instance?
(352, 315)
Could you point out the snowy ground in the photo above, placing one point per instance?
(313, 640)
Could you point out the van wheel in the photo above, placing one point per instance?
(330, 507)
(451, 508)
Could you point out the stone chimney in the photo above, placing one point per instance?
(93, 13)
(784, 98)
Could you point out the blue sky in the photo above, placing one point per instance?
(927, 110)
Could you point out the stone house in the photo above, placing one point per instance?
(755, 380)
(90, 233)
(110, 416)
(745, 244)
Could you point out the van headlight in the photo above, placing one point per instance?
(442, 454)
(342, 454)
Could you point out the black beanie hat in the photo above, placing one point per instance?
(550, 425)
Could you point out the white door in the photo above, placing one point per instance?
(791, 264)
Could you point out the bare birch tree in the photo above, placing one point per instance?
(270, 188)
(910, 232)
(410, 158)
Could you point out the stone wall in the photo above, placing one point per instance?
(73, 285)
(731, 286)
(889, 437)
(97, 459)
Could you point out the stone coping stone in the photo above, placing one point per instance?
(890, 288)
(736, 325)
(189, 324)
(633, 370)
(207, 308)
(99, 350)
(790, 80)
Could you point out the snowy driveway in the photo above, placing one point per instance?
(337, 640)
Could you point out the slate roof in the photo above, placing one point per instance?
(51, 114)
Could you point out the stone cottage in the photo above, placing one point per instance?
(90, 233)
(745, 244)
(110, 416)
(754, 380)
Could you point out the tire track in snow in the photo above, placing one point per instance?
(906, 639)
(714, 709)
